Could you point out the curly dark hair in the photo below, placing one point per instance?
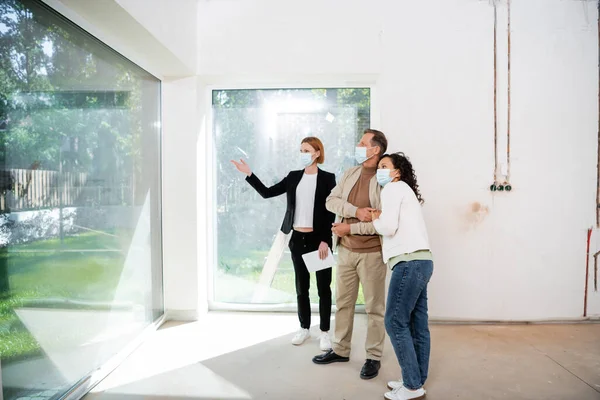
(407, 173)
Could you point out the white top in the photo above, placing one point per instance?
(305, 201)
(401, 221)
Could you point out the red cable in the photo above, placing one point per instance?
(587, 271)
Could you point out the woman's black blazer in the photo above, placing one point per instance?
(322, 219)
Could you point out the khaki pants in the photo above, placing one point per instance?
(370, 271)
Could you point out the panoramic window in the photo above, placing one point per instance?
(265, 128)
(80, 233)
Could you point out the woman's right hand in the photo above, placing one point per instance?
(323, 250)
(375, 214)
(242, 167)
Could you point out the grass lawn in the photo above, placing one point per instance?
(65, 271)
(284, 279)
(51, 269)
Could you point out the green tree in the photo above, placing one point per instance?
(54, 111)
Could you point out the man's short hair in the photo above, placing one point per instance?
(378, 140)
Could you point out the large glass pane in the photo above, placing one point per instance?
(265, 128)
(80, 234)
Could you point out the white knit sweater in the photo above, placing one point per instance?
(401, 221)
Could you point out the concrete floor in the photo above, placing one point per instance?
(249, 356)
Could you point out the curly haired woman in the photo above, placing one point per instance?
(406, 251)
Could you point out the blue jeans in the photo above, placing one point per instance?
(406, 320)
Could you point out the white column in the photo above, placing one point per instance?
(180, 191)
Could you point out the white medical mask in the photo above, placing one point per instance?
(306, 159)
(384, 176)
(360, 154)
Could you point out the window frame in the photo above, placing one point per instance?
(211, 193)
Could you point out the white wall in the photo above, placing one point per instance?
(432, 62)
(172, 23)
(261, 37)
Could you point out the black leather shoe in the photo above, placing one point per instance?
(370, 370)
(329, 357)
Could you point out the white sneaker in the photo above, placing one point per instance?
(392, 385)
(403, 393)
(324, 341)
(300, 337)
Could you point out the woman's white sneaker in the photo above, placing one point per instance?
(393, 385)
(300, 337)
(402, 393)
(324, 341)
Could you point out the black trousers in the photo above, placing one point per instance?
(302, 243)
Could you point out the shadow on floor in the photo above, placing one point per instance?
(553, 362)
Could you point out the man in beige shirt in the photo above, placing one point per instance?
(359, 255)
